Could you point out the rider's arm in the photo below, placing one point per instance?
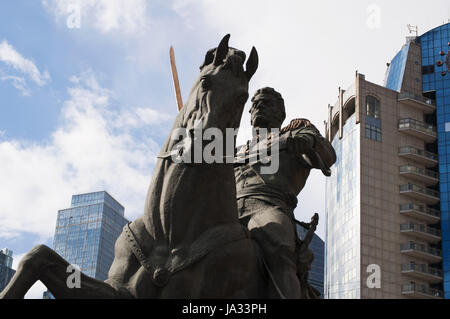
(306, 139)
(302, 141)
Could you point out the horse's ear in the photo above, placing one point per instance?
(252, 64)
(222, 51)
(209, 58)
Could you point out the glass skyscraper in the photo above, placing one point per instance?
(6, 271)
(343, 216)
(435, 78)
(435, 46)
(316, 273)
(387, 201)
(87, 231)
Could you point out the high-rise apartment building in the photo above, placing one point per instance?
(387, 199)
(316, 274)
(6, 271)
(87, 231)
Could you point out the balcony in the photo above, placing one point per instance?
(422, 251)
(420, 193)
(421, 232)
(421, 291)
(417, 155)
(418, 129)
(422, 272)
(421, 212)
(425, 176)
(417, 101)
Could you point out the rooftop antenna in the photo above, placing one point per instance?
(413, 28)
(448, 13)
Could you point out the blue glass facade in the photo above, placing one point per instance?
(435, 47)
(396, 70)
(316, 273)
(87, 231)
(342, 244)
(6, 271)
(47, 295)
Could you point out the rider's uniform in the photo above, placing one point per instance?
(266, 202)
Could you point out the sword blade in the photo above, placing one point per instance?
(176, 82)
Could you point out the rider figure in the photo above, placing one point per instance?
(266, 202)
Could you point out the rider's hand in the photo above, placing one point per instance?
(300, 144)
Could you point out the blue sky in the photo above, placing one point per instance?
(66, 52)
(86, 109)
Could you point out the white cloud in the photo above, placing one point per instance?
(88, 152)
(13, 59)
(10, 56)
(18, 82)
(123, 16)
(140, 117)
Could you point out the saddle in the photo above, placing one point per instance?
(162, 263)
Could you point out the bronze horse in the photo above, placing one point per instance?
(189, 242)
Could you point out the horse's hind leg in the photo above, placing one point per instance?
(44, 264)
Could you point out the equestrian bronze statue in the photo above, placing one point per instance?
(189, 242)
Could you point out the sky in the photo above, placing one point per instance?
(86, 95)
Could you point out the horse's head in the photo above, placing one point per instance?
(219, 94)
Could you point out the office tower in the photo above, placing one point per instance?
(87, 231)
(316, 273)
(387, 198)
(6, 271)
(435, 51)
(47, 295)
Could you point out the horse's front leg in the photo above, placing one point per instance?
(44, 264)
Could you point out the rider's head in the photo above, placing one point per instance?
(267, 109)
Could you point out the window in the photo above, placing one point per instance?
(372, 107)
(428, 69)
(373, 132)
(373, 121)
